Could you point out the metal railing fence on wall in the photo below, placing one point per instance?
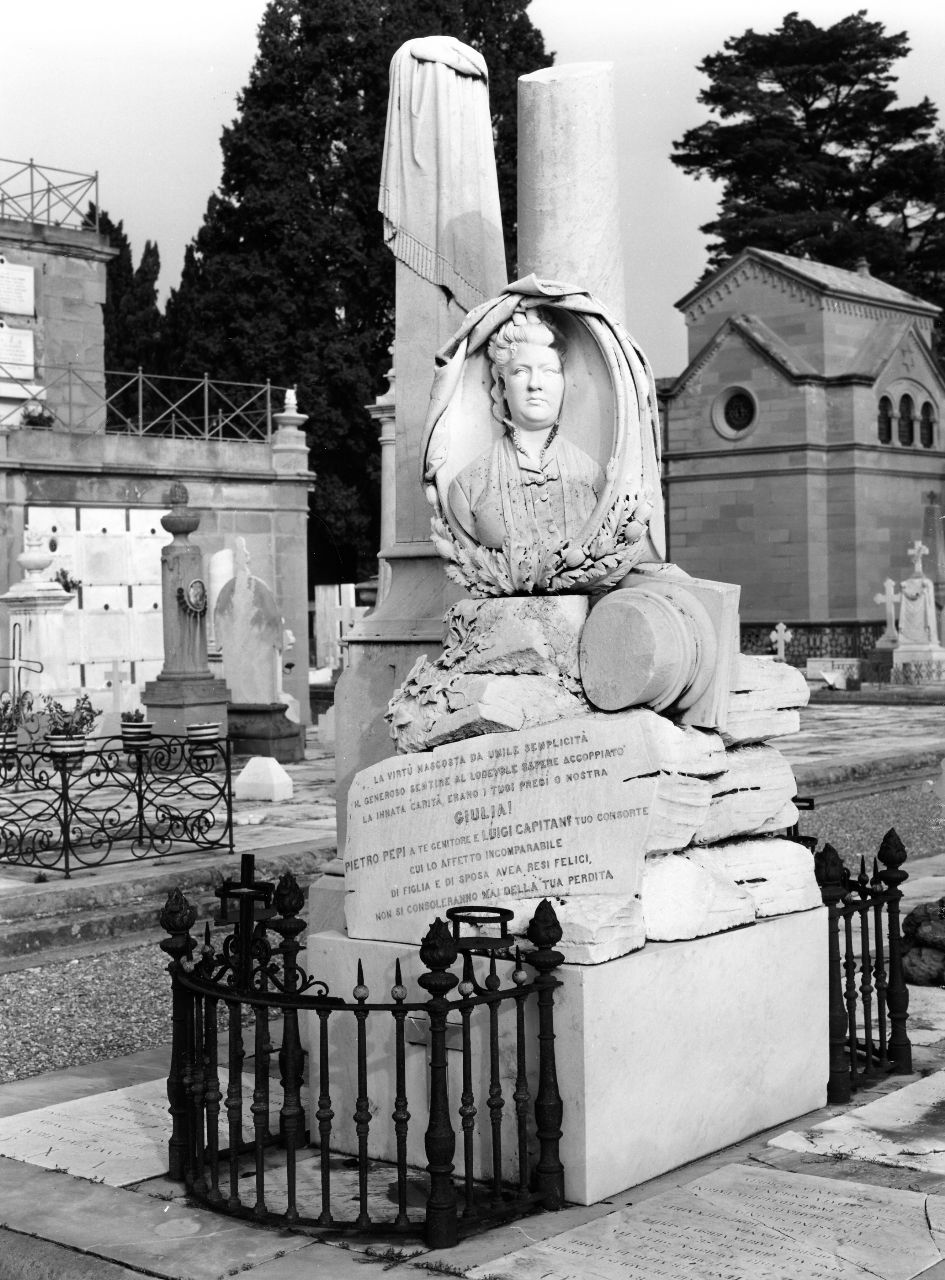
(73, 806)
(31, 192)
(869, 999)
(245, 1171)
(143, 404)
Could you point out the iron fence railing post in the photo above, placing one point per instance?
(829, 869)
(177, 918)
(437, 952)
(140, 382)
(234, 1098)
(400, 1114)
(879, 966)
(206, 406)
(866, 968)
(544, 932)
(362, 1104)
(289, 900)
(228, 790)
(324, 1115)
(891, 856)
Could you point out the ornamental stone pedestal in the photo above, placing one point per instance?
(185, 692)
(33, 622)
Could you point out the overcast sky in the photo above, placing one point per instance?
(141, 92)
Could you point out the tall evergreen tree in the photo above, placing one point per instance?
(815, 156)
(131, 315)
(288, 278)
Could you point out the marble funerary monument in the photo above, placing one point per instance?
(589, 731)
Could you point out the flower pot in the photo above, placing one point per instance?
(207, 731)
(202, 739)
(65, 745)
(136, 733)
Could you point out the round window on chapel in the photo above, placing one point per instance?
(734, 413)
(739, 412)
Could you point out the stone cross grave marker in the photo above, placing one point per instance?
(16, 664)
(917, 551)
(780, 637)
(889, 597)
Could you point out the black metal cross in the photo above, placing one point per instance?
(254, 899)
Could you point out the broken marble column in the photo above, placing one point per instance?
(569, 221)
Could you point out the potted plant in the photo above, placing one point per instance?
(36, 414)
(66, 731)
(135, 730)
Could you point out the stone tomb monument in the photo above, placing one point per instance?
(250, 630)
(591, 734)
(185, 692)
(918, 618)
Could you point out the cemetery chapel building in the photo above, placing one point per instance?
(801, 443)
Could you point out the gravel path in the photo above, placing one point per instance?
(104, 1005)
(856, 827)
(117, 1001)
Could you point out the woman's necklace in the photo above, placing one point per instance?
(517, 440)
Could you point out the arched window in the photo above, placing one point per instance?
(927, 425)
(884, 420)
(906, 421)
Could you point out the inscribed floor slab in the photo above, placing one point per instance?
(746, 1223)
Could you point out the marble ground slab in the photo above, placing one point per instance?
(746, 1223)
(119, 1137)
(905, 1128)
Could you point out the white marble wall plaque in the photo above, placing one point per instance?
(16, 353)
(16, 289)
(569, 808)
(741, 1223)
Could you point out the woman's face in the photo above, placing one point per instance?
(534, 387)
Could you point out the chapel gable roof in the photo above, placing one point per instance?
(756, 333)
(816, 276)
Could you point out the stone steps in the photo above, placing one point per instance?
(116, 902)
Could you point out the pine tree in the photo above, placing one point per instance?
(288, 278)
(815, 156)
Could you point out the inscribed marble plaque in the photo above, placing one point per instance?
(16, 289)
(565, 809)
(741, 1223)
(16, 353)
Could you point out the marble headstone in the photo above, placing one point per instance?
(249, 628)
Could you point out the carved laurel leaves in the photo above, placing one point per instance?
(537, 568)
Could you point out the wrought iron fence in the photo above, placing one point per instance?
(63, 808)
(143, 404)
(869, 999)
(911, 673)
(31, 192)
(249, 974)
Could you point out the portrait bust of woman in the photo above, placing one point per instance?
(541, 452)
(532, 482)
